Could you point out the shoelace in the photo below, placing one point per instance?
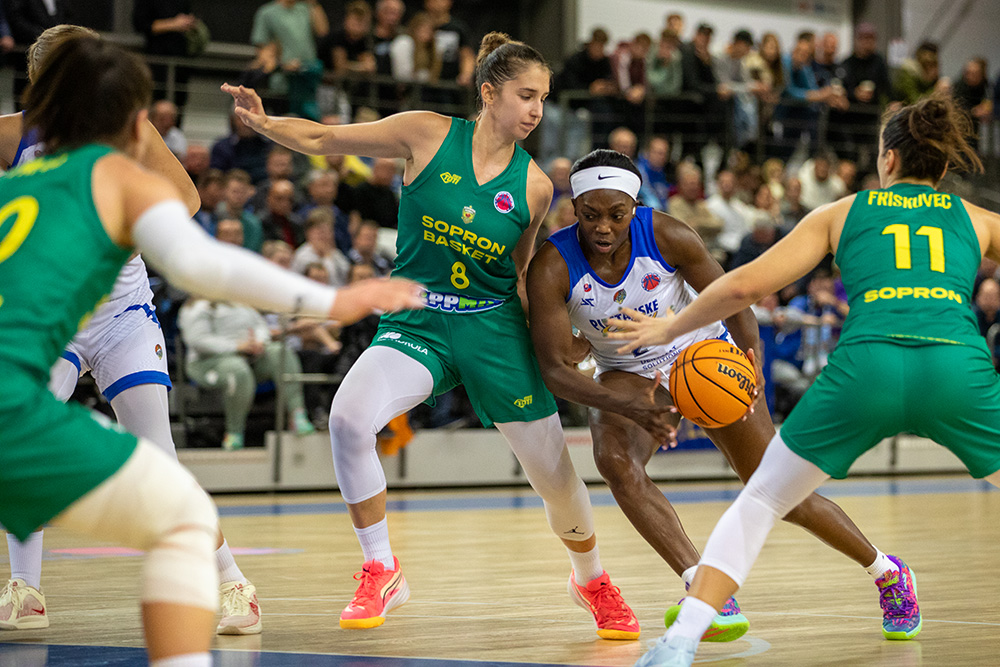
(609, 599)
(368, 589)
(16, 596)
(897, 604)
(236, 600)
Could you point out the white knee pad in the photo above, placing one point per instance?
(540, 448)
(154, 504)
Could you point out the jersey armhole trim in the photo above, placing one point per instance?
(645, 215)
(566, 254)
(432, 165)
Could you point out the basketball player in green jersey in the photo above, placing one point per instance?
(470, 208)
(68, 222)
(910, 358)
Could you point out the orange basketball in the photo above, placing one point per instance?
(712, 383)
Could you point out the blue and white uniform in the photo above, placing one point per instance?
(122, 344)
(649, 285)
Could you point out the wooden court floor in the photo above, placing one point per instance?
(488, 584)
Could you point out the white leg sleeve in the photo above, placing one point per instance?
(782, 481)
(382, 384)
(63, 378)
(142, 410)
(540, 447)
(154, 504)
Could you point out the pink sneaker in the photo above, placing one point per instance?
(380, 591)
(614, 618)
(22, 607)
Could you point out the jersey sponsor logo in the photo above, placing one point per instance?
(465, 242)
(523, 402)
(504, 202)
(456, 303)
(450, 179)
(605, 324)
(395, 337)
(914, 292)
(468, 214)
(650, 281)
(390, 335)
(587, 302)
(587, 287)
(159, 351)
(620, 296)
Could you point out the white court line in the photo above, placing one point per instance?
(867, 618)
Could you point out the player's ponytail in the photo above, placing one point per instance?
(930, 136)
(501, 59)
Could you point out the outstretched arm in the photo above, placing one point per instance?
(157, 158)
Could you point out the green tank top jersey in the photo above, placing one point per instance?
(908, 256)
(56, 260)
(456, 236)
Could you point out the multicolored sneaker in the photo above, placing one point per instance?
(614, 618)
(240, 609)
(22, 607)
(676, 652)
(898, 597)
(380, 591)
(727, 626)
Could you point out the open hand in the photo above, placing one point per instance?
(248, 106)
(376, 295)
(642, 330)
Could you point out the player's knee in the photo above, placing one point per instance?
(618, 469)
(180, 567)
(348, 428)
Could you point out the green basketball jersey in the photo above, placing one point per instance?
(56, 260)
(908, 256)
(455, 235)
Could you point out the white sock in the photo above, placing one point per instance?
(26, 558)
(375, 543)
(186, 660)
(693, 620)
(881, 565)
(688, 576)
(586, 565)
(228, 569)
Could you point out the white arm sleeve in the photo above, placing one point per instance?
(195, 262)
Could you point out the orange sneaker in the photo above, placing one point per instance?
(380, 591)
(614, 618)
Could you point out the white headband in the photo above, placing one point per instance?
(605, 178)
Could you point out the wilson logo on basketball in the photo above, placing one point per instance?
(650, 281)
(745, 383)
(504, 202)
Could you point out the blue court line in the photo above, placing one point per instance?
(40, 655)
(897, 487)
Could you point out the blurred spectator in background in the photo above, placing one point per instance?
(376, 198)
(211, 189)
(350, 50)
(825, 62)
(781, 335)
(847, 172)
(972, 93)
(589, 71)
(689, 206)
(763, 235)
(355, 338)
(414, 55)
(865, 77)
(624, 141)
(675, 24)
(279, 166)
(316, 342)
(560, 215)
(319, 248)
(628, 64)
(823, 312)
(799, 120)
(292, 27)
(657, 172)
(700, 77)
(986, 306)
(765, 207)
(920, 76)
(163, 116)
(558, 173)
(236, 194)
(322, 188)
(6, 36)
(364, 248)
(772, 74)
(278, 252)
(773, 173)
(229, 230)
(197, 161)
(791, 207)
(242, 149)
(819, 184)
(30, 18)
(454, 44)
(664, 69)
(166, 25)
(734, 214)
(388, 25)
(740, 80)
(279, 219)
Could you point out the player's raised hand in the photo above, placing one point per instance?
(248, 105)
(376, 295)
(642, 330)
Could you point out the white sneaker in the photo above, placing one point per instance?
(22, 607)
(240, 609)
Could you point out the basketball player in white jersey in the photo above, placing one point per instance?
(623, 255)
(123, 348)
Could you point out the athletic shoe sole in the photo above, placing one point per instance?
(28, 623)
(723, 628)
(401, 596)
(603, 633)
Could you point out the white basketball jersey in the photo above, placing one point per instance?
(649, 285)
(133, 277)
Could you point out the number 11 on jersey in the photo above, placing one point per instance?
(935, 242)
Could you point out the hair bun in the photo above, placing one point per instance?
(491, 42)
